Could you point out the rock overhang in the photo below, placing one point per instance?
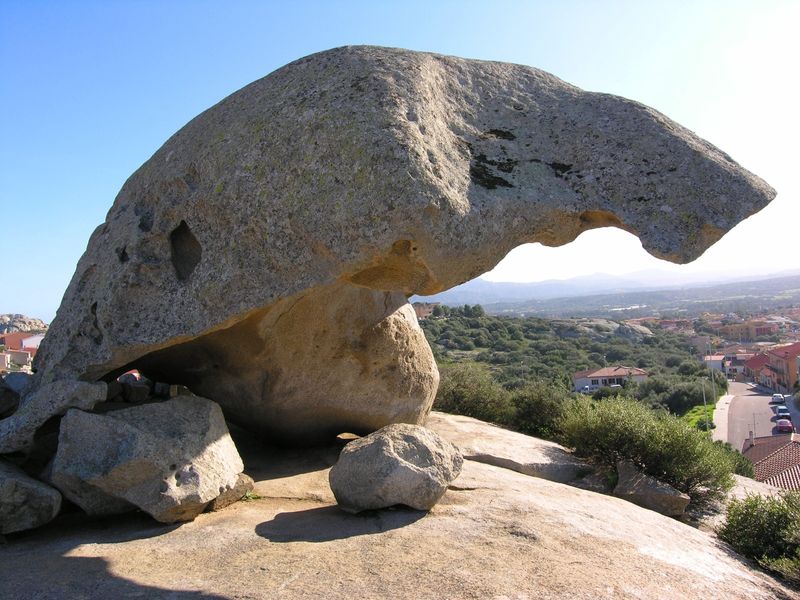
(355, 178)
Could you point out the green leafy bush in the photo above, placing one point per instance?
(469, 389)
(742, 465)
(539, 406)
(661, 444)
(767, 529)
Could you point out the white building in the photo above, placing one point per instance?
(593, 379)
(32, 341)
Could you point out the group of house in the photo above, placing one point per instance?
(776, 368)
(19, 348)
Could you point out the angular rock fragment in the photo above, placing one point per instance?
(398, 464)
(52, 399)
(170, 459)
(278, 235)
(24, 502)
(634, 486)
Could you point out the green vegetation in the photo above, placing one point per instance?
(700, 417)
(519, 351)
(517, 372)
(660, 444)
(767, 529)
(469, 389)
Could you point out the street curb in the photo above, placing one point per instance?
(720, 418)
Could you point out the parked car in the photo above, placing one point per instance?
(777, 399)
(784, 426)
(783, 413)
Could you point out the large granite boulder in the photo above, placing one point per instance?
(170, 459)
(24, 502)
(263, 257)
(52, 399)
(398, 464)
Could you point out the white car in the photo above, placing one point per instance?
(777, 399)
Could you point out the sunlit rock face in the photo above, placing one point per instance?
(264, 255)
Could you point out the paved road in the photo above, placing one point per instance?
(749, 404)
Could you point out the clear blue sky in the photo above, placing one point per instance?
(89, 90)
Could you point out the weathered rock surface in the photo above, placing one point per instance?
(169, 459)
(494, 534)
(49, 400)
(634, 486)
(24, 502)
(398, 464)
(335, 187)
(493, 445)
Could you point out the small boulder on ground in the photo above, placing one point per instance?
(398, 464)
(52, 399)
(634, 486)
(24, 502)
(170, 459)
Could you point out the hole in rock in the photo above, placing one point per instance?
(186, 250)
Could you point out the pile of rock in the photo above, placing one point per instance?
(131, 444)
(113, 447)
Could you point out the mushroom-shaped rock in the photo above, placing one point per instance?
(24, 502)
(278, 235)
(169, 459)
(398, 464)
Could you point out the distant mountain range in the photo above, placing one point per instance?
(641, 292)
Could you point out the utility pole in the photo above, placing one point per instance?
(705, 406)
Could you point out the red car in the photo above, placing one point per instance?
(784, 426)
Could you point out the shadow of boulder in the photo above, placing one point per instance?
(330, 523)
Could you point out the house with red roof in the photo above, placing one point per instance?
(754, 365)
(783, 362)
(776, 459)
(593, 379)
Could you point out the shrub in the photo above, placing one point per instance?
(742, 465)
(468, 388)
(660, 444)
(539, 406)
(767, 529)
